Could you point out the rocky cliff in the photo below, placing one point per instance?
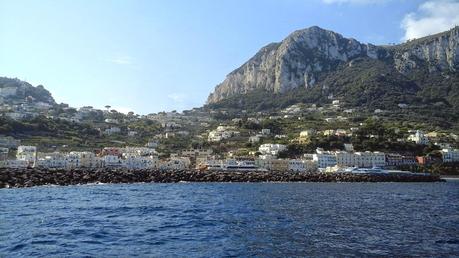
(14, 89)
(306, 56)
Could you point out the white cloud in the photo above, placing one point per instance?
(123, 110)
(430, 18)
(354, 1)
(121, 60)
(177, 97)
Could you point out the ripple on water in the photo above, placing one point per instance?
(220, 220)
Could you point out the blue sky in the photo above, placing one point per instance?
(149, 56)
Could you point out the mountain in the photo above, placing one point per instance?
(12, 90)
(315, 63)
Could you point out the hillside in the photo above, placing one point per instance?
(13, 90)
(316, 65)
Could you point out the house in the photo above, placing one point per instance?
(395, 160)
(272, 164)
(27, 154)
(254, 139)
(221, 133)
(450, 155)
(340, 132)
(272, 149)
(112, 130)
(140, 162)
(111, 121)
(152, 144)
(329, 132)
(360, 159)
(324, 159)
(402, 105)
(87, 159)
(52, 160)
(113, 151)
(349, 147)
(176, 163)
(3, 153)
(419, 138)
(14, 163)
(16, 115)
(265, 131)
(112, 161)
(132, 133)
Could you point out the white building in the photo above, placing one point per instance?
(27, 154)
(360, 159)
(152, 144)
(324, 159)
(176, 163)
(132, 133)
(138, 151)
(52, 160)
(221, 133)
(419, 138)
(139, 162)
(3, 153)
(14, 163)
(87, 159)
(112, 130)
(265, 131)
(255, 138)
(112, 161)
(271, 149)
(450, 155)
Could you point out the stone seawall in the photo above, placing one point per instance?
(35, 177)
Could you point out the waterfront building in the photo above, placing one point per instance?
(360, 159)
(14, 163)
(112, 161)
(27, 154)
(450, 155)
(324, 158)
(87, 159)
(113, 151)
(176, 163)
(395, 160)
(52, 160)
(3, 153)
(271, 149)
(140, 162)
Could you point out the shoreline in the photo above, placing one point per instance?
(19, 178)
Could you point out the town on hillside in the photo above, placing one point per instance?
(331, 137)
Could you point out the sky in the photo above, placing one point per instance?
(160, 55)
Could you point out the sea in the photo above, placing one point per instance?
(231, 220)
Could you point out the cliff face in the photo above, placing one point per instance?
(438, 53)
(305, 55)
(15, 89)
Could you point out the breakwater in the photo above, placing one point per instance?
(35, 177)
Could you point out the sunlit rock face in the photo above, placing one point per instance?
(305, 55)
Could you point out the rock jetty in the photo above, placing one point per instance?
(35, 177)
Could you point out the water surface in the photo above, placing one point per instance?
(231, 219)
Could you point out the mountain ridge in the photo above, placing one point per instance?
(306, 57)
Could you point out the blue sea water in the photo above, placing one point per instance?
(231, 219)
